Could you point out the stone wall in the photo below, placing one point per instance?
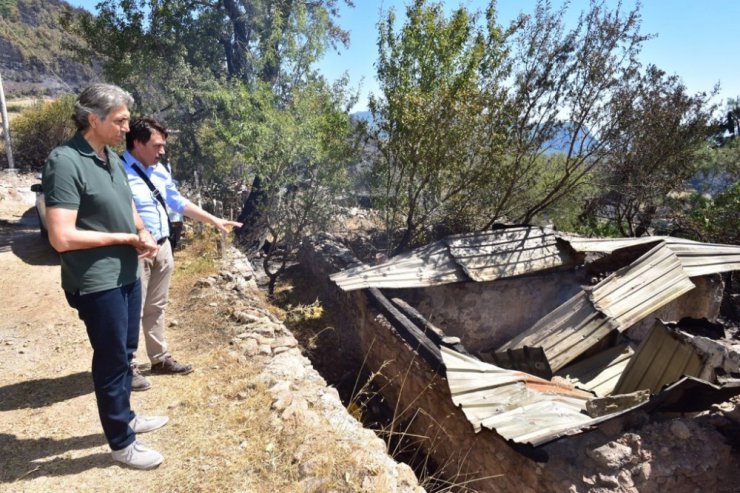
(704, 301)
(485, 315)
(419, 397)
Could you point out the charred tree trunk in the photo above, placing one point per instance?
(253, 233)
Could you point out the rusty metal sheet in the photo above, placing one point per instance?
(637, 290)
(427, 266)
(565, 333)
(520, 407)
(509, 252)
(601, 372)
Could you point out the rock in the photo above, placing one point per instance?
(284, 399)
(251, 347)
(174, 323)
(680, 430)
(607, 480)
(265, 349)
(612, 455)
(207, 282)
(286, 342)
(264, 329)
(643, 471)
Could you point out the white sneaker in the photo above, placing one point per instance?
(138, 456)
(144, 424)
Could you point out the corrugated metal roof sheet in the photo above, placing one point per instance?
(482, 256)
(567, 332)
(518, 406)
(633, 292)
(606, 245)
(427, 266)
(509, 252)
(599, 373)
(663, 358)
(699, 259)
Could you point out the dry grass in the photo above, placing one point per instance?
(231, 437)
(228, 434)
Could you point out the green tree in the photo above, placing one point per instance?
(478, 124)
(301, 148)
(438, 122)
(171, 54)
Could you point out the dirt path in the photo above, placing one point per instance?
(50, 436)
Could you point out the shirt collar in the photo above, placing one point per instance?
(81, 145)
(130, 160)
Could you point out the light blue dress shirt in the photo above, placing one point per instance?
(149, 208)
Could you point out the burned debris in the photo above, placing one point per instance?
(591, 343)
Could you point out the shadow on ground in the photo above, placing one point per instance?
(44, 392)
(22, 459)
(26, 242)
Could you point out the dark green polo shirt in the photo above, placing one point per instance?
(76, 178)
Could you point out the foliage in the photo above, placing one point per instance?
(438, 121)
(39, 129)
(564, 81)
(653, 150)
(300, 147)
(173, 55)
(491, 125)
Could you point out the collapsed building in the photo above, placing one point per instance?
(503, 347)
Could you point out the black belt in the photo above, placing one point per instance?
(162, 240)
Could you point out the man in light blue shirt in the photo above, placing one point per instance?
(155, 195)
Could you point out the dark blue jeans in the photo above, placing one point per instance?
(112, 321)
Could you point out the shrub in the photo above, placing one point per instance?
(39, 129)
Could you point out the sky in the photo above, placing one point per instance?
(696, 40)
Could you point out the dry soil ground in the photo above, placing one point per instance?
(50, 436)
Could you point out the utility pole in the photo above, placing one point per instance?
(6, 127)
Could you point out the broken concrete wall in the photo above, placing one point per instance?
(704, 301)
(486, 315)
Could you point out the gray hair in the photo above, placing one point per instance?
(99, 99)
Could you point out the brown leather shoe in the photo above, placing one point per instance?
(169, 366)
(139, 381)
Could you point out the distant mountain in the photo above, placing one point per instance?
(560, 143)
(363, 116)
(33, 57)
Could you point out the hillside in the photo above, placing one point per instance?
(34, 56)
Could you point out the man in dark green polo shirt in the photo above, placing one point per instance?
(93, 225)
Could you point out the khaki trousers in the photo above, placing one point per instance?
(156, 274)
